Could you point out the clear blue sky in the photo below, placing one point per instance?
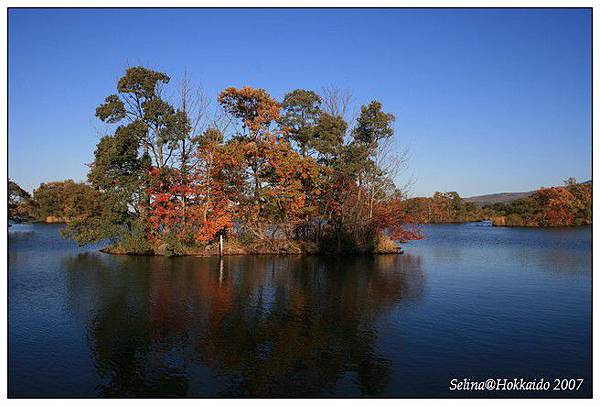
(487, 100)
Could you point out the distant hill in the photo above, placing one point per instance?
(498, 197)
(503, 197)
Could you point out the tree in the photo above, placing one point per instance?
(253, 107)
(152, 134)
(277, 177)
(373, 125)
(65, 201)
(328, 138)
(570, 181)
(194, 104)
(337, 101)
(556, 206)
(582, 194)
(19, 202)
(293, 184)
(160, 128)
(191, 209)
(256, 110)
(120, 175)
(302, 112)
(417, 209)
(48, 198)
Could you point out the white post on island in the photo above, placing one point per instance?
(220, 270)
(221, 245)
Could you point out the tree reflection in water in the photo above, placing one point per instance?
(261, 325)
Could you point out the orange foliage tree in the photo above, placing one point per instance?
(192, 208)
(254, 107)
(556, 206)
(278, 180)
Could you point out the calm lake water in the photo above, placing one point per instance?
(466, 302)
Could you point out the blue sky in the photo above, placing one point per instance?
(486, 100)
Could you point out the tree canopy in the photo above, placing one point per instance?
(264, 170)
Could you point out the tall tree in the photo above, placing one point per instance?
(253, 107)
(373, 127)
(277, 176)
(161, 128)
(151, 134)
(302, 112)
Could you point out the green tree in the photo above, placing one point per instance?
(119, 174)
(374, 127)
(161, 129)
(328, 138)
(301, 114)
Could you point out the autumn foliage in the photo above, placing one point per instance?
(568, 205)
(442, 207)
(294, 174)
(190, 207)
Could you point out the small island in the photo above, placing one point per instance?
(267, 177)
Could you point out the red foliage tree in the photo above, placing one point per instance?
(400, 225)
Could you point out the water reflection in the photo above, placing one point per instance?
(246, 326)
(494, 301)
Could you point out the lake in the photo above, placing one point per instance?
(467, 301)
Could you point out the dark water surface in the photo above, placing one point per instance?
(467, 302)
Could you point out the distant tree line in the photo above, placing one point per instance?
(568, 205)
(443, 207)
(52, 201)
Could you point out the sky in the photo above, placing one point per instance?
(485, 100)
